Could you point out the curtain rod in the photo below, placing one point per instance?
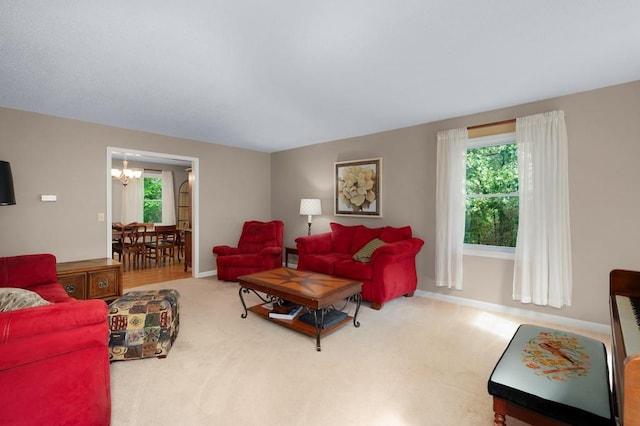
(496, 123)
(152, 170)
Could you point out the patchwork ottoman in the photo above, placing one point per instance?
(143, 324)
(549, 377)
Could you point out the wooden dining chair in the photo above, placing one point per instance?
(131, 247)
(163, 245)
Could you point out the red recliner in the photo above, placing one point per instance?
(259, 249)
(54, 362)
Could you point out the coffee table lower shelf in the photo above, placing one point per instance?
(296, 324)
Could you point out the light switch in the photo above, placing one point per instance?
(100, 217)
(48, 198)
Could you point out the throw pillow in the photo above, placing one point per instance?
(364, 254)
(12, 299)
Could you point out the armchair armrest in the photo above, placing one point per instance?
(226, 250)
(30, 322)
(318, 243)
(271, 251)
(32, 334)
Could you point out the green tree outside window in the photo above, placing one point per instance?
(152, 204)
(492, 196)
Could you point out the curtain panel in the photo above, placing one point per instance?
(168, 199)
(450, 206)
(542, 269)
(132, 197)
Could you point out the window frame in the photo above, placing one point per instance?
(498, 252)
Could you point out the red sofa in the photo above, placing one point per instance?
(259, 249)
(54, 365)
(391, 271)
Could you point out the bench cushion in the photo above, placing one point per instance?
(559, 374)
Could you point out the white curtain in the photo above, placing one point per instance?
(542, 269)
(450, 206)
(132, 196)
(168, 200)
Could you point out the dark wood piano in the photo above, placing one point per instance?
(624, 293)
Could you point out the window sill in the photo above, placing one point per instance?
(508, 253)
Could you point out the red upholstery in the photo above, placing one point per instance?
(54, 365)
(259, 249)
(390, 273)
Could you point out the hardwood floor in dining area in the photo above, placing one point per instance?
(152, 274)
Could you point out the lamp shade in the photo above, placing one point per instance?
(7, 196)
(310, 206)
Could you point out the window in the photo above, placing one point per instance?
(491, 216)
(152, 203)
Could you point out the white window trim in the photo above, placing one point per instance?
(480, 250)
(495, 252)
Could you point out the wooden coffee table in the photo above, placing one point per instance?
(310, 289)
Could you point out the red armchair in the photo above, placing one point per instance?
(259, 249)
(54, 364)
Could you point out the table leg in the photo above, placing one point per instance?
(319, 327)
(244, 305)
(358, 299)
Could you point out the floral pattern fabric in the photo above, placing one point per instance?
(556, 355)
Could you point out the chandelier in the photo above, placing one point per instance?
(126, 174)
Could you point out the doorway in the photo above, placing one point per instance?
(115, 153)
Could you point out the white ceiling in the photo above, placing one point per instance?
(278, 74)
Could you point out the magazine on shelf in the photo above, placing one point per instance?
(291, 314)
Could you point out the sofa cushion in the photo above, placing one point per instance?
(353, 270)
(323, 263)
(362, 236)
(341, 237)
(27, 270)
(12, 299)
(390, 234)
(364, 254)
(52, 292)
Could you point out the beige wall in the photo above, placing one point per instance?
(604, 145)
(68, 158)
(51, 155)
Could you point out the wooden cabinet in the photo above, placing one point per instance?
(91, 279)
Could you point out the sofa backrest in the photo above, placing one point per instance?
(258, 235)
(28, 270)
(350, 239)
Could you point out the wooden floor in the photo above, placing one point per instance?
(153, 274)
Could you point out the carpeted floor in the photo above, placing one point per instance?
(418, 361)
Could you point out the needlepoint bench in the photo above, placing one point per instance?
(551, 377)
(143, 324)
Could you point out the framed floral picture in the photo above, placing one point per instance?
(357, 188)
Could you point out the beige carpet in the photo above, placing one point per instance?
(418, 361)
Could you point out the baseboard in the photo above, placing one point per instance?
(206, 274)
(492, 307)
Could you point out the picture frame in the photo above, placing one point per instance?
(357, 188)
